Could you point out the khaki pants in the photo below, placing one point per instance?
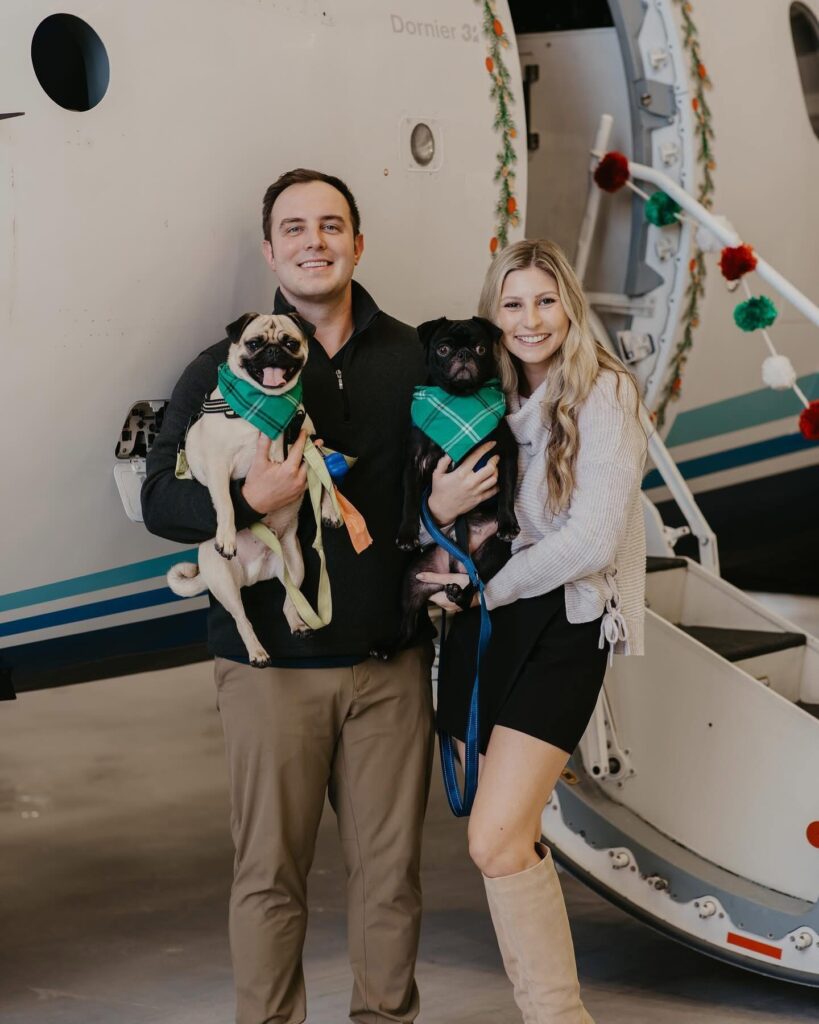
(365, 734)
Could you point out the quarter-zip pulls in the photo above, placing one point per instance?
(344, 402)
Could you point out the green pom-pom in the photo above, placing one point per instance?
(661, 210)
(755, 313)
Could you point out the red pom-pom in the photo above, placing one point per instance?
(735, 262)
(612, 172)
(809, 422)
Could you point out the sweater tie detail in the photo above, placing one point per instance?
(613, 627)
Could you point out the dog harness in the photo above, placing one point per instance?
(215, 406)
(458, 422)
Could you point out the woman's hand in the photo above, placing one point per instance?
(460, 491)
(445, 578)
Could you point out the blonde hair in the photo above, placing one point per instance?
(573, 369)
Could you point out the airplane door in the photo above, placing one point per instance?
(574, 78)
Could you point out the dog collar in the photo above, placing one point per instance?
(457, 422)
(268, 413)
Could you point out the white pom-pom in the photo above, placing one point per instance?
(708, 242)
(778, 373)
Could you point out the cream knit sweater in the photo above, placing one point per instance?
(595, 548)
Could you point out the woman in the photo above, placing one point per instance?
(574, 585)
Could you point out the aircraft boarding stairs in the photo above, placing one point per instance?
(691, 801)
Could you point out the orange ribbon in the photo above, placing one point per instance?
(354, 521)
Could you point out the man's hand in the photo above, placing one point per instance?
(272, 485)
(460, 491)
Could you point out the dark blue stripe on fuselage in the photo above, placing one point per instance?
(130, 602)
(29, 664)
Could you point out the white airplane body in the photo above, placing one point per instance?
(132, 235)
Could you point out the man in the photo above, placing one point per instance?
(326, 715)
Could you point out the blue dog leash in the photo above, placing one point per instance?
(461, 804)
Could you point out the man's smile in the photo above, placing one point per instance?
(315, 264)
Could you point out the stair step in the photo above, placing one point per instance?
(739, 644)
(656, 563)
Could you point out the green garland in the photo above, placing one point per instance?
(696, 287)
(506, 209)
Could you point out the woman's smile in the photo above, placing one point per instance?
(531, 339)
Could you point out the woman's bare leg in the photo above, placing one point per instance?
(522, 888)
(518, 775)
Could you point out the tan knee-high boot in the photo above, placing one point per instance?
(508, 954)
(536, 944)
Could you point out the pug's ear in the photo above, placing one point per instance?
(235, 330)
(494, 332)
(427, 330)
(304, 325)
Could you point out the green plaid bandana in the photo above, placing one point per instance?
(458, 422)
(268, 413)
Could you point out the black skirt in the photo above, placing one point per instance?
(541, 673)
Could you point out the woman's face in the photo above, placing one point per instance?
(532, 318)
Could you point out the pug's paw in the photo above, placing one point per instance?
(260, 658)
(225, 544)
(461, 596)
(302, 632)
(408, 541)
(508, 528)
(329, 514)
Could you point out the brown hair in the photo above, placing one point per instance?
(301, 176)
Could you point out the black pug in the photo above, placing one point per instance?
(460, 360)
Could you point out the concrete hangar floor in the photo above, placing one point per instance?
(115, 869)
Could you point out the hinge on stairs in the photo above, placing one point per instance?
(604, 758)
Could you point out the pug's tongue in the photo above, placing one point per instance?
(273, 377)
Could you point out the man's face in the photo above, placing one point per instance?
(312, 250)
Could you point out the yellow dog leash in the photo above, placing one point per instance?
(318, 481)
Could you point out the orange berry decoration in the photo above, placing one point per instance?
(701, 71)
(511, 204)
(493, 245)
(497, 27)
(695, 104)
(490, 65)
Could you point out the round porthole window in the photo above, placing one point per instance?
(805, 32)
(70, 62)
(422, 144)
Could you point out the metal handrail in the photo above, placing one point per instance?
(681, 493)
(727, 236)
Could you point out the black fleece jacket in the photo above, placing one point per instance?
(359, 402)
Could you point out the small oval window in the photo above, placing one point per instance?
(70, 61)
(805, 32)
(422, 144)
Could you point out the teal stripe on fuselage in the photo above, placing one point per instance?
(739, 413)
(117, 577)
(744, 456)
